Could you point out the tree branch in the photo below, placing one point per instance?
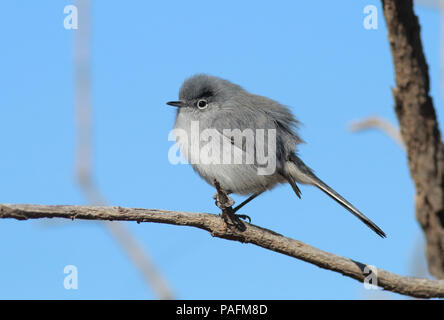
(217, 227)
(380, 124)
(419, 126)
(84, 155)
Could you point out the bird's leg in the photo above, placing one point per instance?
(254, 195)
(225, 203)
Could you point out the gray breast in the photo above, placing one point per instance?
(213, 156)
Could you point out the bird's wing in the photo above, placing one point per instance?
(238, 142)
(256, 131)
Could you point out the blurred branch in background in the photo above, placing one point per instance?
(84, 173)
(379, 124)
(430, 3)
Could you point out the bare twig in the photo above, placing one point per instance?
(130, 246)
(380, 124)
(416, 287)
(82, 64)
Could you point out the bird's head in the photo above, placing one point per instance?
(203, 93)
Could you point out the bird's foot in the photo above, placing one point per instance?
(244, 217)
(225, 203)
(232, 219)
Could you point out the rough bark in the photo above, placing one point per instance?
(419, 126)
(218, 227)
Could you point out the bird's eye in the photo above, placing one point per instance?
(202, 104)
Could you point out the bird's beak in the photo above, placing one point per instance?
(178, 104)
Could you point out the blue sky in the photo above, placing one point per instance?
(314, 56)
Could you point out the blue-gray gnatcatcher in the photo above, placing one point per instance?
(245, 141)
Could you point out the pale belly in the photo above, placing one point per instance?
(237, 178)
(217, 158)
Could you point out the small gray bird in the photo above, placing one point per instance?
(217, 109)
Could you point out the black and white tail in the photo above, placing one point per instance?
(297, 171)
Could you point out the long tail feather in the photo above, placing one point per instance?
(303, 174)
(347, 205)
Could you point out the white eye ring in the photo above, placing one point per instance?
(202, 104)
